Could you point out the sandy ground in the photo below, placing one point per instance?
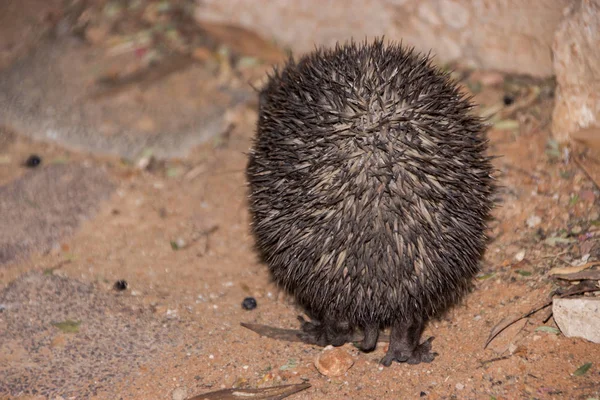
(178, 234)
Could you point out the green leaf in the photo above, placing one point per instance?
(547, 329)
(583, 369)
(523, 273)
(486, 276)
(69, 326)
(507, 125)
(554, 241)
(292, 363)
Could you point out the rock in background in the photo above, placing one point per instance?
(577, 67)
(506, 35)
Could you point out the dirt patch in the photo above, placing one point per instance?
(46, 204)
(61, 337)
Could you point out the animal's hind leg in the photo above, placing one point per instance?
(404, 343)
(369, 341)
(328, 331)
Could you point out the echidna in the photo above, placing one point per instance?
(370, 191)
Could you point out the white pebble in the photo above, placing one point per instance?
(520, 256)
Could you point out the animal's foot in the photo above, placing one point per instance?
(421, 353)
(321, 334)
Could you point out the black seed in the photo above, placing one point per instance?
(249, 303)
(422, 394)
(121, 285)
(508, 99)
(33, 161)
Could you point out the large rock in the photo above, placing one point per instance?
(508, 35)
(53, 95)
(577, 66)
(578, 317)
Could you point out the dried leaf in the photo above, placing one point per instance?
(268, 393)
(590, 137)
(580, 276)
(572, 269)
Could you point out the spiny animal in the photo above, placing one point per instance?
(369, 189)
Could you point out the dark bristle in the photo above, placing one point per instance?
(370, 187)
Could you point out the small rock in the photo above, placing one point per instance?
(594, 215)
(520, 256)
(333, 361)
(576, 230)
(459, 386)
(578, 317)
(533, 221)
(179, 394)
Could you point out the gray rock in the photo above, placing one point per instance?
(53, 94)
(578, 317)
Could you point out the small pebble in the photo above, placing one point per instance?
(33, 161)
(179, 394)
(520, 256)
(249, 303)
(460, 386)
(533, 221)
(333, 361)
(121, 285)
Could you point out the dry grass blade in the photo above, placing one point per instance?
(269, 393)
(583, 287)
(587, 172)
(290, 335)
(294, 335)
(508, 321)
